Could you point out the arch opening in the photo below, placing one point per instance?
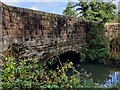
(71, 56)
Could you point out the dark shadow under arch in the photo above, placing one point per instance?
(71, 56)
(64, 57)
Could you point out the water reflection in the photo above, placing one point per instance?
(114, 78)
(102, 74)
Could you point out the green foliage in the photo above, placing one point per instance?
(96, 11)
(116, 86)
(15, 50)
(118, 17)
(32, 73)
(83, 53)
(97, 43)
(70, 10)
(0, 84)
(114, 60)
(93, 10)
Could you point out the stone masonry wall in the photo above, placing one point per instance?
(34, 28)
(113, 32)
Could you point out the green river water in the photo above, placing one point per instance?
(105, 75)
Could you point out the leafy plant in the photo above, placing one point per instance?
(83, 53)
(33, 73)
(97, 43)
(96, 11)
(70, 10)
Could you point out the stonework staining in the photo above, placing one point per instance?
(113, 32)
(46, 31)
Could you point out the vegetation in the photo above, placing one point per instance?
(97, 43)
(117, 19)
(24, 73)
(70, 10)
(94, 10)
(32, 73)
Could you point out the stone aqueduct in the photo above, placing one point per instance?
(45, 33)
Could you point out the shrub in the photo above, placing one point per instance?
(34, 74)
(97, 43)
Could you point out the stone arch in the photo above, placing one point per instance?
(66, 54)
(63, 57)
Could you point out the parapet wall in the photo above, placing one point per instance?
(32, 27)
(113, 32)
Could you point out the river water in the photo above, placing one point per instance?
(105, 75)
